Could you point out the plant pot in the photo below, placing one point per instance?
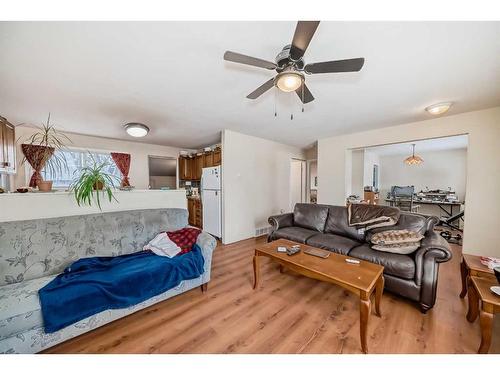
(98, 185)
(44, 185)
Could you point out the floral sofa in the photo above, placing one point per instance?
(33, 252)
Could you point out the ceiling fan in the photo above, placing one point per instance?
(290, 64)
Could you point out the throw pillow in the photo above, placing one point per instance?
(390, 237)
(398, 248)
(185, 238)
(162, 245)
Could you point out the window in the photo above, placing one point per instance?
(375, 176)
(75, 160)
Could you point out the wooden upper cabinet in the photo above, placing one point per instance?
(182, 168)
(208, 159)
(7, 146)
(198, 166)
(190, 167)
(217, 157)
(186, 167)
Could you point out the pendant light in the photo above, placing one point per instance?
(413, 159)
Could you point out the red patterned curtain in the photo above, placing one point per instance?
(37, 156)
(122, 161)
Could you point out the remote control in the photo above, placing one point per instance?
(292, 251)
(352, 261)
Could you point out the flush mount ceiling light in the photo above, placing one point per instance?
(439, 109)
(136, 129)
(289, 80)
(413, 159)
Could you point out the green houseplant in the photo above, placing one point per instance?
(41, 151)
(94, 184)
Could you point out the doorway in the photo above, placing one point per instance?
(425, 176)
(297, 182)
(162, 172)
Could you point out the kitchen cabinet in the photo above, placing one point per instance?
(208, 159)
(190, 207)
(7, 147)
(198, 166)
(182, 167)
(190, 166)
(217, 157)
(186, 167)
(195, 213)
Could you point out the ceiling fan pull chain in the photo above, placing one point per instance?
(302, 97)
(291, 107)
(275, 98)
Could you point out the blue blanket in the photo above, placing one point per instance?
(91, 285)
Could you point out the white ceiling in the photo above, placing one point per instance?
(96, 76)
(427, 145)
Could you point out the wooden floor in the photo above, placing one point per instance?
(287, 314)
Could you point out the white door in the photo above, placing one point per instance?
(297, 182)
(212, 212)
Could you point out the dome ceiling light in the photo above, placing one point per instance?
(439, 108)
(136, 129)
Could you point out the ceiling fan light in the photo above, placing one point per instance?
(289, 81)
(136, 129)
(439, 108)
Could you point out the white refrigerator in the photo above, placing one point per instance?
(211, 200)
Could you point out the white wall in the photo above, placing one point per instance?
(440, 170)
(482, 216)
(357, 173)
(297, 183)
(139, 170)
(256, 183)
(60, 204)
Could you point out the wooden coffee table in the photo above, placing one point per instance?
(479, 290)
(362, 279)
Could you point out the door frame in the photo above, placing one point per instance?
(303, 187)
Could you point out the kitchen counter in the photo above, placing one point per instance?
(25, 206)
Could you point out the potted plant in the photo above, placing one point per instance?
(40, 150)
(94, 184)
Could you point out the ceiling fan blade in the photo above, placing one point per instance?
(261, 89)
(337, 66)
(308, 97)
(302, 37)
(248, 60)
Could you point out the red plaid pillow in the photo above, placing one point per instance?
(184, 238)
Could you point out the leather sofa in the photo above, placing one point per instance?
(413, 276)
